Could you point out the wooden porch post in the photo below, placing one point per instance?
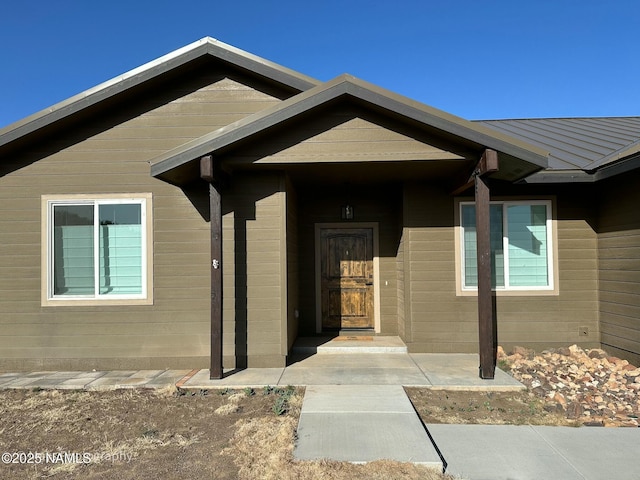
(486, 326)
(215, 220)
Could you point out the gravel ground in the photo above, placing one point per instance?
(588, 386)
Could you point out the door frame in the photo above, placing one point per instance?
(376, 269)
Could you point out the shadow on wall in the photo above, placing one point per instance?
(239, 199)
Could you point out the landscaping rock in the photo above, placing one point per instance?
(588, 386)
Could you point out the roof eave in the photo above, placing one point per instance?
(559, 176)
(619, 155)
(610, 169)
(150, 70)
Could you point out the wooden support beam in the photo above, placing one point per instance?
(215, 220)
(488, 163)
(206, 168)
(485, 300)
(216, 281)
(486, 325)
(214, 172)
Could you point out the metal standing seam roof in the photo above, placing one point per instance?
(201, 48)
(361, 90)
(577, 143)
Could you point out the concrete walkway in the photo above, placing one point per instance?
(361, 423)
(510, 452)
(356, 410)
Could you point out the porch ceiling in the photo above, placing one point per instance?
(374, 173)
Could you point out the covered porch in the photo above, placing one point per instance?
(336, 187)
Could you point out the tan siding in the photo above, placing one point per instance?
(400, 279)
(343, 136)
(110, 154)
(254, 271)
(444, 322)
(619, 266)
(292, 264)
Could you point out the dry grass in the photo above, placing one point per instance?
(263, 448)
(162, 434)
(266, 445)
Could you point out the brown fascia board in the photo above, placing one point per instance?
(559, 176)
(137, 76)
(347, 85)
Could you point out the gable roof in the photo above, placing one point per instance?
(205, 47)
(562, 149)
(441, 123)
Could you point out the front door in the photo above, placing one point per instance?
(346, 259)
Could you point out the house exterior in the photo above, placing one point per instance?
(212, 203)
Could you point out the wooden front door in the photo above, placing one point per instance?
(346, 259)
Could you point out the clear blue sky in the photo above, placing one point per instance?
(480, 59)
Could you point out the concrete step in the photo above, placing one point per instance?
(349, 344)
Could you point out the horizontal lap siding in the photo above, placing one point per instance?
(346, 135)
(619, 267)
(254, 277)
(110, 154)
(403, 330)
(292, 264)
(440, 321)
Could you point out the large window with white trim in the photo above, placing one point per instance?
(521, 245)
(97, 248)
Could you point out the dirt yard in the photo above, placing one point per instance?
(250, 434)
(491, 408)
(142, 434)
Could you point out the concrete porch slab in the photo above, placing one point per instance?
(459, 371)
(251, 377)
(354, 368)
(353, 376)
(166, 378)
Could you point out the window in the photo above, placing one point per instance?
(521, 245)
(97, 248)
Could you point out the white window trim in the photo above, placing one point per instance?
(144, 298)
(552, 252)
